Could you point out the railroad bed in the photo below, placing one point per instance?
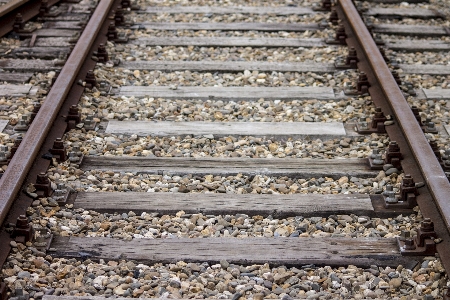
(232, 150)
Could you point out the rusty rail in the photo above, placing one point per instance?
(425, 157)
(22, 161)
(421, 159)
(28, 9)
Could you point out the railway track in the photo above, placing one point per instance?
(226, 151)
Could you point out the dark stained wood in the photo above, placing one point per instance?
(230, 66)
(35, 65)
(231, 92)
(402, 13)
(299, 27)
(47, 53)
(221, 10)
(67, 17)
(15, 77)
(49, 42)
(230, 42)
(279, 206)
(74, 25)
(416, 30)
(419, 46)
(295, 168)
(361, 252)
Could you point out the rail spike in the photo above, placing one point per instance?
(351, 61)
(59, 150)
(406, 197)
(340, 37)
(23, 231)
(376, 125)
(73, 117)
(423, 244)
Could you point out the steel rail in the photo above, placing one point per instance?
(17, 170)
(10, 6)
(431, 170)
(27, 8)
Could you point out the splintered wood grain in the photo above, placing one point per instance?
(437, 93)
(229, 26)
(402, 12)
(425, 69)
(276, 130)
(220, 10)
(74, 25)
(47, 53)
(230, 42)
(10, 90)
(229, 93)
(413, 46)
(417, 30)
(50, 32)
(295, 168)
(361, 252)
(15, 77)
(3, 124)
(279, 206)
(230, 66)
(49, 42)
(237, 66)
(34, 65)
(67, 18)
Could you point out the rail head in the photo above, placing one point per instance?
(430, 168)
(16, 172)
